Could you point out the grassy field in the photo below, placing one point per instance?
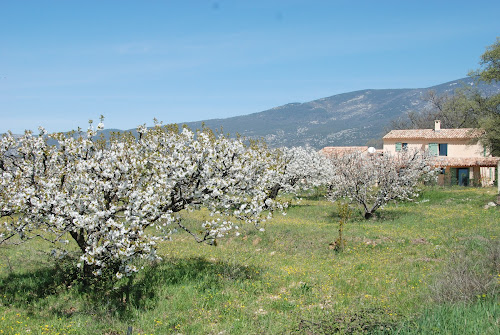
(429, 266)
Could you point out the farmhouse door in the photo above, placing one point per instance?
(463, 177)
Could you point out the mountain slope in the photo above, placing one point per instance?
(351, 118)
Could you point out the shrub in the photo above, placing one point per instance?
(472, 273)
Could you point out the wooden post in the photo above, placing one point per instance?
(498, 182)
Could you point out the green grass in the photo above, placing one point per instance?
(286, 280)
(481, 317)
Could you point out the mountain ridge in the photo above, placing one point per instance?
(351, 118)
(346, 119)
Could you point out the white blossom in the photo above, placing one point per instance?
(103, 195)
(303, 168)
(374, 180)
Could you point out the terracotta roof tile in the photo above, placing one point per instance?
(460, 133)
(441, 161)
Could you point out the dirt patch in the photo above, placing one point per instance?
(372, 241)
(376, 241)
(419, 241)
(256, 241)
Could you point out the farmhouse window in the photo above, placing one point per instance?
(398, 146)
(404, 146)
(443, 149)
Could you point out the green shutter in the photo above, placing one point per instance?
(398, 146)
(433, 149)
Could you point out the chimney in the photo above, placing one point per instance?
(437, 125)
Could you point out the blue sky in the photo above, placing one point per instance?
(64, 62)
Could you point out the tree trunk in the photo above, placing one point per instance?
(79, 238)
(368, 215)
(273, 191)
(87, 275)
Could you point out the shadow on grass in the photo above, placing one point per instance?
(391, 214)
(316, 193)
(202, 273)
(313, 197)
(385, 214)
(298, 205)
(24, 289)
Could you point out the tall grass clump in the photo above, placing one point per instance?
(472, 272)
(464, 299)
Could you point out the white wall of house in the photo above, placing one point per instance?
(463, 149)
(456, 148)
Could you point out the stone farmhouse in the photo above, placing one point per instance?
(462, 159)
